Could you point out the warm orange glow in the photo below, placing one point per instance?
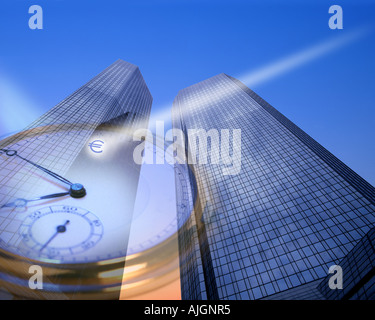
(171, 291)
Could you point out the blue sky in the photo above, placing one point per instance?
(177, 43)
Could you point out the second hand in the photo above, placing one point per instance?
(59, 229)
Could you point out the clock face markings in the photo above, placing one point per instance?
(58, 232)
(155, 216)
(107, 179)
(31, 231)
(22, 183)
(20, 171)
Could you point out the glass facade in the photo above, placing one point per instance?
(358, 273)
(37, 166)
(274, 229)
(117, 94)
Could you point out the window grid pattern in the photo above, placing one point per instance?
(286, 217)
(57, 137)
(191, 262)
(358, 271)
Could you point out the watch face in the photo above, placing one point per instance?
(39, 195)
(155, 214)
(76, 196)
(59, 231)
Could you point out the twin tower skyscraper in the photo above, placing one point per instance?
(293, 222)
(293, 217)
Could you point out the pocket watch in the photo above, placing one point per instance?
(74, 202)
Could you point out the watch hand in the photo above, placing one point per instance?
(22, 202)
(12, 153)
(59, 229)
(76, 190)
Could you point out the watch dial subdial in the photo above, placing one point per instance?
(60, 232)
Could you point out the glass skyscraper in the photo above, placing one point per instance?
(273, 230)
(86, 139)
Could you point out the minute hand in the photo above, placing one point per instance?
(12, 153)
(23, 202)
